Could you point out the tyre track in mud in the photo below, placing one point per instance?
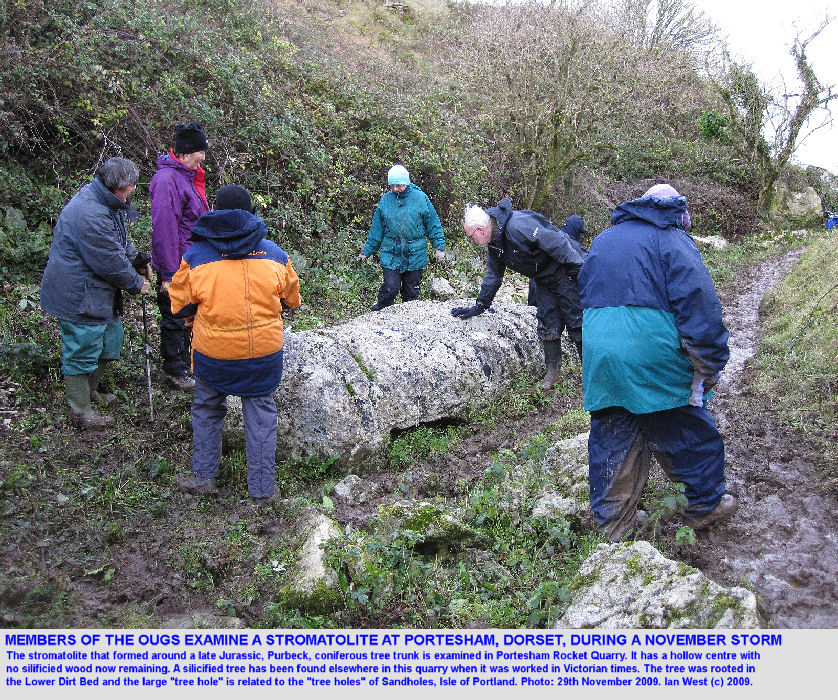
(783, 541)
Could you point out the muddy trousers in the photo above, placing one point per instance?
(394, 282)
(685, 442)
(209, 407)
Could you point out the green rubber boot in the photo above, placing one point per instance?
(82, 414)
(95, 378)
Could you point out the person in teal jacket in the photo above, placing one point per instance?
(402, 222)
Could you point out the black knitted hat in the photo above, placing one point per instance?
(190, 138)
(233, 197)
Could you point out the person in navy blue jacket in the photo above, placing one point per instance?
(653, 346)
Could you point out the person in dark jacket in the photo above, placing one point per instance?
(528, 243)
(574, 226)
(91, 261)
(654, 345)
(403, 222)
(178, 199)
(235, 284)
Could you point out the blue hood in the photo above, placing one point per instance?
(232, 232)
(501, 212)
(662, 212)
(574, 227)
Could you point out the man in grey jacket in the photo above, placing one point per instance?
(90, 262)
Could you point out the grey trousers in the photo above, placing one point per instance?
(209, 407)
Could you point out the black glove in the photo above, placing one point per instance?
(141, 261)
(465, 312)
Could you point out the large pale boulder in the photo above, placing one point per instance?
(345, 388)
(310, 568)
(633, 586)
(801, 208)
(566, 463)
(440, 288)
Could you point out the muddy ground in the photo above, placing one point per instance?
(782, 542)
(93, 529)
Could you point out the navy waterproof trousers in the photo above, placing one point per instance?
(685, 442)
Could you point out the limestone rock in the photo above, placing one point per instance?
(801, 208)
(353, 489)
(716, 242)
(439, 528)
(567, 463)
(345, 388)
(551, 505)
(633, 586)
(312, 573)
(441, 288)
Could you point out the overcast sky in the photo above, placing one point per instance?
(761, 33)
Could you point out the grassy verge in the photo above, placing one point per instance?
(728, 264)
(796, 369)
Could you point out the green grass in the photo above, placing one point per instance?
(521, 580)
(796, 368)
(420, 442)
(572, 423)
(727, 265)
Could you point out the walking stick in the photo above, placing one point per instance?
(147, 351)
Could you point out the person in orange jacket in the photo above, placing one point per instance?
(234, 284)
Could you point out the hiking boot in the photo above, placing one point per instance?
(265, 501)
(91, 420)
(181, 381)
(726, 508)
(197, 485)
(82, 415)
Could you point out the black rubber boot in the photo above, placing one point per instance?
(553, 363)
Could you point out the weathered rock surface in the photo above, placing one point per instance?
(567, 464)
(440, 288)
(716, 242)
(353, 489)
(551, 505)
(345, 388)
(633, 586)
(440, 529)
(802, 208)
(312, 573)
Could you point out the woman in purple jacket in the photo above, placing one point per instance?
(178, 199)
